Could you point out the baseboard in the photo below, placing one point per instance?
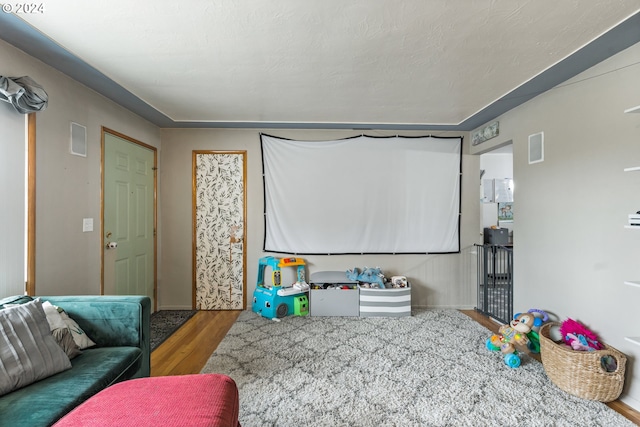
(175, 307)
(446, 307)
(630, 401)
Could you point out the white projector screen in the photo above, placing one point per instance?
(362, 195)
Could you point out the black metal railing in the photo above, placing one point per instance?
(495, 281)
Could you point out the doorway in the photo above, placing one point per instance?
(495, 255)
(219, 230)
(497, 189)
(129, 248)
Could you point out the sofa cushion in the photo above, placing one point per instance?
(28, 351)
(112, 321)
(44, 402)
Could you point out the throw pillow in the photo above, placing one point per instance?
(60, 331)
(53, 316)
(65, 340)
(58, 318)
(78, 334)
(28, 351)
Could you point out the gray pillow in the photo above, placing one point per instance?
(28, 351)
(65, 340)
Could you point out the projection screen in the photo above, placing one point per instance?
(362, 195)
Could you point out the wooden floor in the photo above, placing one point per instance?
(189, 348)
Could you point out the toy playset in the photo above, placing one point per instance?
(366, 293)
(520, 332)
(273, 299)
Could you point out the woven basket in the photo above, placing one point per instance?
(580, 372)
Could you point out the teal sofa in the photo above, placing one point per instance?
(119, 325)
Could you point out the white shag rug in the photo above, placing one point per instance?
(430, 369)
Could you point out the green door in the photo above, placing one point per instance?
(129, 216)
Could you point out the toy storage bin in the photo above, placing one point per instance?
(580, 373)
(392, 302)
(329, 301)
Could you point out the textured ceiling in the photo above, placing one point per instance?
(330, 63)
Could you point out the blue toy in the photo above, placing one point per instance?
(521, 331)
(368, 275)
(273, 300)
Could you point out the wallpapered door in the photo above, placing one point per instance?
(219, 223)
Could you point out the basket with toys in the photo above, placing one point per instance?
(580, 364)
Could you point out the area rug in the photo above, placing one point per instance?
(165, 322)
(430, 369)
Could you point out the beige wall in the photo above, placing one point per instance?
(439, 281)
(571, 250)
(68, 187)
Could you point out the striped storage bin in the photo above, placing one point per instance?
(394, 302)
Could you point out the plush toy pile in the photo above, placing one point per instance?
(373, 278)
(579, 337)
(370, 277)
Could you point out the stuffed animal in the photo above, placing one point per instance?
(516, 331)
(578, 342)
(579, 337)
(368, 275)
(399, 282)
(519, 332)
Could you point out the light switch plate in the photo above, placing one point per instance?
(87, 224)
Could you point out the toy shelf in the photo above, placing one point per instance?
(635, 109)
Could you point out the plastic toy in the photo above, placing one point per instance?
(368, 275)
(273, 300)
(520, 332)
(579, 337)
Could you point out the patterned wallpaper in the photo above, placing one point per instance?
(219, 232)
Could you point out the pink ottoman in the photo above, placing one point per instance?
(185, 400)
